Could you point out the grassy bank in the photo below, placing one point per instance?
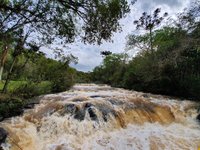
(19, 95)
(13, 86)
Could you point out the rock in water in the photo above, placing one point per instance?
(198, 117)
(92, 114)
(3, 135)
(90, 108)
(75, 111)
(1, 118)
(70, 108)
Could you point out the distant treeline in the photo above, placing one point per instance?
(168, 61)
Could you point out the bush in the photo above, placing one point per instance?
(11, 107)
(31, 89)
(61, 82)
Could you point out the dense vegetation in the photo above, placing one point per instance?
(168, 61)
(26, 26)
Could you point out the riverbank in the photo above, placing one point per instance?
(19, 96)
(11, 106)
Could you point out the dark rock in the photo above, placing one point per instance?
(1, 118)
(145, 95)
(3, 135)
(90, 108)
(106, 111)
(70, 108)
(105, 116)
(74, 111)
(80, 114)
(87, 105)
(92, 114)
(198, 117)
(29, 106)
(95, 96)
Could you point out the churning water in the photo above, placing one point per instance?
(98, 117)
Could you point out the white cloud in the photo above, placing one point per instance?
(89, 55)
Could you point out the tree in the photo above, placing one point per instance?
(57, 21)
(174, 66)
(189, 18)
(111, 71)
(18, 47)
(59, 18)
(149, 22)
(4, 50)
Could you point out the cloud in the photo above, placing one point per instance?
(171, 3)
(89, 55)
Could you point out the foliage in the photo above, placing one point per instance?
(26, 25)
(35, 75)
(106, 53)
(59, 18)
(30, 89)
(173, 68)
(82, 77)
(148, 22)
(111, 71)
(10, 107)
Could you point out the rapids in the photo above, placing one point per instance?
(100, 117)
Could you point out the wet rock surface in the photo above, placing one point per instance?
(3, 135)
(198, 117)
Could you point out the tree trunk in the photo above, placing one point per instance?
(8, 76)
(3, 59)
(1, 73)
(151, 42)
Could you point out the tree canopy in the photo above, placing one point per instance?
(93, 21)
(174, 66)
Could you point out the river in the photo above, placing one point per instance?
(99, 117)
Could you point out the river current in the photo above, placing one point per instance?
(99, 117)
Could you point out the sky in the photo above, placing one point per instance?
(89, 55)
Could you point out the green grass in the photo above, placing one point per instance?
(12, 85)
(44, 86)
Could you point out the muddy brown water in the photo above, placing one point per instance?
(99, 117)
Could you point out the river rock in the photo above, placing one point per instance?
(70, 108)
(29, 106)
(106, 111)
(1, 118)
(92, 114)
(145, 95)
(95, 96)
(3, 135)
(74, 111)
(87, 105)
(80, 114)
(198, 117)
(91, 110)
